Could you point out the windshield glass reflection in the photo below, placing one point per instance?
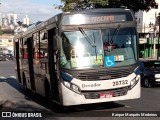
(98, 48)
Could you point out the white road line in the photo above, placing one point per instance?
(5, 77)
(12, 77)
(128, 106)
(1, 77)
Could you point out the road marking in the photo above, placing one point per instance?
(12, 77)
(1, 77)
(128, 106)
(5, 77)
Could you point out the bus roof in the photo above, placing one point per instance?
(58, 16)
(100, 10)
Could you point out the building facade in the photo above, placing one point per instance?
(6, 43)
(147, 20)
(26, 20)
(148, 30)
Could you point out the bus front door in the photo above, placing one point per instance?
(17, 60)
(28, 65)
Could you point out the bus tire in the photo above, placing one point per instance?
(48, 94)
(147, 83)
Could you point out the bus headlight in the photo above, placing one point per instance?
(157, 75)
(72, 87)
(134, 81)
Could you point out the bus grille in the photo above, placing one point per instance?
(105, 74)
(115, 93)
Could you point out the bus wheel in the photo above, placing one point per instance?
(147, 83)
(48, 94)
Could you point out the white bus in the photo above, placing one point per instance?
(81, 57)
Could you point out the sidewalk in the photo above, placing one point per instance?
(149, 59)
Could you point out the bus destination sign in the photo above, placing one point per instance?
(97, 19)
(77, 19)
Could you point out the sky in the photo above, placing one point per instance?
(36, 10)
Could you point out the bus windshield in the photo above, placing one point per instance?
(109, 47)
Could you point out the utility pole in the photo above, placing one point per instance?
(158, 19)
(152, 38)
(154, 42)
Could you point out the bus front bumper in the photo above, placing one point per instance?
(72, 98)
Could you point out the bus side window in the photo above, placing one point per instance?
(43, 45)
(24, 49)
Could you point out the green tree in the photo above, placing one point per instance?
(1, 32)
(135, 5)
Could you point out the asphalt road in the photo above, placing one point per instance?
(6, 68)
(14, 98)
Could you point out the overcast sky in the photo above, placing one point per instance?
(37, 10)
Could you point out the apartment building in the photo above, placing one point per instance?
(6, 43)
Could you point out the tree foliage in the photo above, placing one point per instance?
(135, 5)
(1, 32)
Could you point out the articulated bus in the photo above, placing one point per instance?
(81, 57)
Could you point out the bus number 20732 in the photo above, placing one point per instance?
(120, 82)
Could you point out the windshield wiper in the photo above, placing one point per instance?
(115, 34)
(91, 42)
(94, 44)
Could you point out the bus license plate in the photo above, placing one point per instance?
(107, 95)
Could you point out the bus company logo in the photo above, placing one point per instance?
(90, 85)
(22, 115)
(6, 114)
